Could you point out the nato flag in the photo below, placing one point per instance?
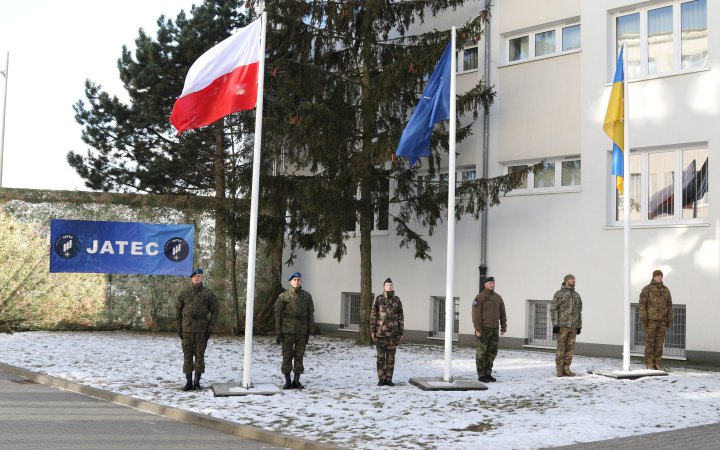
(434, 106)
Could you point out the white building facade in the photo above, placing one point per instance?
(552, 64)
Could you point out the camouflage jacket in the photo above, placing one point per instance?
(294, 312)
(656, 303)
(566, 308)
(197, 309)
(386, 316)
(488, 309)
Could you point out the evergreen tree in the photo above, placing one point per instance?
(132, 145)
(342, 78)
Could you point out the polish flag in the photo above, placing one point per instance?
(222, 81)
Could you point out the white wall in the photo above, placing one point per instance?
(534, 240)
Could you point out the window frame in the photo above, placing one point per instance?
(550, 340)
(643, 12)
(346, 308)
(676, 336)
(437, 313)
(376, 215)
(461, 69)
(441, 178)
(531, 36)
(677, 219)
(556, 188)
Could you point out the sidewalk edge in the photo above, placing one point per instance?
(205, 421)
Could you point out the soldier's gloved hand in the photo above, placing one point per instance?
(179, 330)
(578, 330)
(307, 337)
(556, 330)
(279, 339)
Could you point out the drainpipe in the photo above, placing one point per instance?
(486, 144)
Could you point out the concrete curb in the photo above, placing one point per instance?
(213, 423)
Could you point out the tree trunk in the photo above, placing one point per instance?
(265, 313)
(366, 221)
(219, 270)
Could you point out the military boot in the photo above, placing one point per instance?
(567, 372)
(189, 384)
(560, 371)
(296, 382)
(196, 383)
(288, 383)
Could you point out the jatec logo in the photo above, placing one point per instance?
(67, 246)
(176, 249)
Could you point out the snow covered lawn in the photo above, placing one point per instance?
(527, 408)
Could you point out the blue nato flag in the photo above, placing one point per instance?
(434, 106)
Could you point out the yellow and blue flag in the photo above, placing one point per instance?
(434, 106)
(614, 122)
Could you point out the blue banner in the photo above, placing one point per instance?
(121, 247)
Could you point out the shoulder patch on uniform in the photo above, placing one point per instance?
(475, 302)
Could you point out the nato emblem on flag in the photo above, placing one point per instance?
(434, 106)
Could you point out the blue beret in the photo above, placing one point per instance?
(295, 275)
(197, 271)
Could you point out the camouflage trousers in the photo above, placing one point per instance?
(193, 347)
(565, 346)
(386, 347)
(293, 351)
(487, 350)
(654, 342)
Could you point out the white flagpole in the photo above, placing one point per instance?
(449, 303)
(252, 239)
(626, 212)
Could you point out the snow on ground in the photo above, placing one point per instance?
(527, 408)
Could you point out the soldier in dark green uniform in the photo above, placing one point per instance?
(294, 320)
(488, 311)
(387, 325)
(566, 315)
(656, 315)
(197, 313)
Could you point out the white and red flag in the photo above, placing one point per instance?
(223, 80)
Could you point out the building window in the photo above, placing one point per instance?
(468, 59)
(540, 324)
(518, 48)
(664, 38)
(570, 175)
(570, 38)
(438, 326)
(350, 311)
(674, 336)
(543, 42)
(545, 177)
(381, 205)
(549, 177)
(666, 186)
(461, 176)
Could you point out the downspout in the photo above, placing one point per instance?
(485, 148)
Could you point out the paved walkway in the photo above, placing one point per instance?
(40, 416)
(705, 437)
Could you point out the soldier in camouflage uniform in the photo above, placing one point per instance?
(294, 319)
(387, 325)
(566, 314)
(197, 313)
(488, 309)
(656, 315)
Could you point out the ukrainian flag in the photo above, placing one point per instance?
(614, 122)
